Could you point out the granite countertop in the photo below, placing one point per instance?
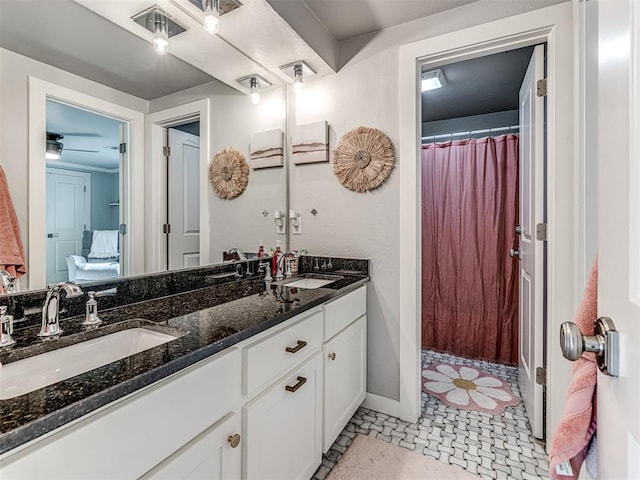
(209, 319)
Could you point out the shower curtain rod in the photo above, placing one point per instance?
(473, 132)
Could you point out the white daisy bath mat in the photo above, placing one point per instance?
(468, 388)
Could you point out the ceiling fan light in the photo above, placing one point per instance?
(54, 147)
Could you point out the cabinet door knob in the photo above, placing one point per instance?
(301, 344)
(301, 381)
(332, 356)
(234, 440)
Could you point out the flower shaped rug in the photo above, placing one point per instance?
(468, 388)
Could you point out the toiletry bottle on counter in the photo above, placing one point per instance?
(260, 249)
(277, 253)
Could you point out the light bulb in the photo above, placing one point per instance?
(211, 17)
(161, 36)
(297, 78)
(254, 94)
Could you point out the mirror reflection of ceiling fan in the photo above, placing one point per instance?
(55, 147)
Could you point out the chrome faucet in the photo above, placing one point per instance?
(6, 282)
(51, 310)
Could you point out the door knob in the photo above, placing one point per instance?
(234, 440)
(604, 344)
(514, 253)
(519, 229)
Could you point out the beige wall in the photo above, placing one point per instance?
(365, 92)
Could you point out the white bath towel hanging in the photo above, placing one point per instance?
(104, 244)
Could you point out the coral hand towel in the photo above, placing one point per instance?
(11, 249)
(578, 424)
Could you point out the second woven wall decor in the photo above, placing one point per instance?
(363, 159)
(228, 173)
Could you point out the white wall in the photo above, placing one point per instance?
(239, 222)
(365, 92)
(15, 70)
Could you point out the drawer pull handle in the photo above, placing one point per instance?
(234, 440)
(301, 381)
(332, 356)
(297, 348)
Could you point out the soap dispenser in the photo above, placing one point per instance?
(274, 259)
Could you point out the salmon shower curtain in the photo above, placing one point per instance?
(469, 281)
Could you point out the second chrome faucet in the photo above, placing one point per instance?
(51, 310)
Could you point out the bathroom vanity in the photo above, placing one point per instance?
(256, 386)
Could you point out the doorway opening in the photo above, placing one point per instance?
(85, 214)
(183, 195)
(482, 169)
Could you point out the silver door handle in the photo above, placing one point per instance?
(514, 253)
(519, 229)
(604, 344)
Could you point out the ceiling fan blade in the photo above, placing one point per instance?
(81, 134)
(80, 150)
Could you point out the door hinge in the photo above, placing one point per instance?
(541, 232)
(541, 87)
(541, 376)
(85, 189)
(123, 148)
(122, 229)
(166, 151)
(166, 228)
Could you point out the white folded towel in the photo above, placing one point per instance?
(104, 244)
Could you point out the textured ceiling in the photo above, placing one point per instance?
(350, 18)
(66, 35)
(475, 87)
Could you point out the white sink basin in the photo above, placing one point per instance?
(32, 373)
(310, 283)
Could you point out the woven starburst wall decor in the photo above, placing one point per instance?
(363, 159)
(228, 173)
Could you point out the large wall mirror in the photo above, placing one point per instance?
(86, 109)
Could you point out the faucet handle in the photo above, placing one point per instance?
(6, 327)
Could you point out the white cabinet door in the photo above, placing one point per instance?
(283, 426)
(344, 379)
(214, 455)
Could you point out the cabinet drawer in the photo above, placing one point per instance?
(128, 438)
(270, 357)
(283, 427)
(341, 312)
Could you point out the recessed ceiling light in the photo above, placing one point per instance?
(432, 80)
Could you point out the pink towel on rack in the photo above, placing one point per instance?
(578, 424)
(11, 249)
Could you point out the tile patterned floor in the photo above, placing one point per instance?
(498, 447)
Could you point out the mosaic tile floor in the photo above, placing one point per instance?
(497, 447)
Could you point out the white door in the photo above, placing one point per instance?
(183, 200)
(619, 232)
(530, 328)
(66, 217)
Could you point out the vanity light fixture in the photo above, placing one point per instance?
(211, 16)
(254, 83)
(161, 25)
(297, 71)
(161, 34)
(432, 80)
(54, 147)
(213, 10)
